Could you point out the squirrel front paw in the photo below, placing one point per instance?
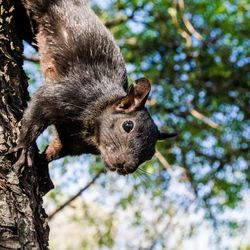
(26, 156)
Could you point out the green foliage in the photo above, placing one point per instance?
(209, 75)
(197, 57)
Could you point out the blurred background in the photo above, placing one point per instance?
(194, 193)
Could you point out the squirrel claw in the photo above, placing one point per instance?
(29, 157)
(25, 157)
(21, 159)
(13, 150)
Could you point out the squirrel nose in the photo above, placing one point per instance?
(124, 167)
(120, 164)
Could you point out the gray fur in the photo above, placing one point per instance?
(91, 101)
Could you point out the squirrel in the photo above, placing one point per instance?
(86, 94)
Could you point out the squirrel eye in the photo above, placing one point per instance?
(128, 126)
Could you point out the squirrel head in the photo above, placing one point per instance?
(126, 134)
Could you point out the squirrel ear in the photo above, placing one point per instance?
(163, 136)
(136, 97)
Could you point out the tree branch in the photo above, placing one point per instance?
(167, 166)
(116, 21)
(61, 207)
(164, 162)
(23, 223)
(187, 23)
(204, 118)
(34, 59)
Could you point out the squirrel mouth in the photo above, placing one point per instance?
(124, 171)
(121, 170)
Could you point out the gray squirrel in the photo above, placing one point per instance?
(85, 95)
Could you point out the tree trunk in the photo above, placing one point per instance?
(23, 222)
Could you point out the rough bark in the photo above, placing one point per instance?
(23, 222)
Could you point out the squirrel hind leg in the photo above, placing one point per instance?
(54, 150)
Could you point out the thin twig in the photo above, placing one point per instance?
(164, 162)
(168, 167)
(121, 19)
(187, 23)
(34, 59)
(115, 22)
(173, 13)
(205, 119)
(50, 216)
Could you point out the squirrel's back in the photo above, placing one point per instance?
(71, 38)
